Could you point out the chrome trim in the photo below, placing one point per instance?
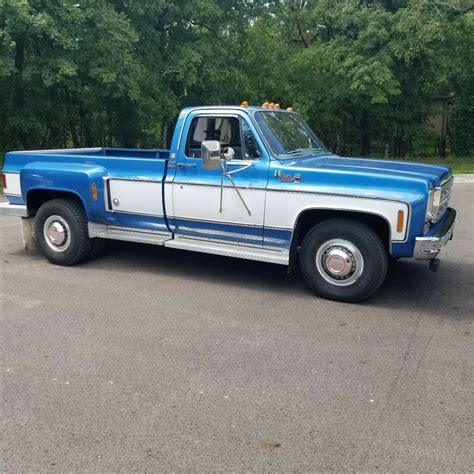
(229, 250)
(339, 262)
(428, 247)
(193, 183)
(17, 210)
(446, 190)
(236, 113)
(362, 212)
(128, 234)
(62, 150)
(235, 223)
(222, 233)
(225, 248)
(108, 197)
(57, 233)
(140, 180)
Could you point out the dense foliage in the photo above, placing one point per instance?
(364, 73)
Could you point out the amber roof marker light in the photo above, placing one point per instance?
(244, 103)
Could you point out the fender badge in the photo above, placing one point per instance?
(288, 178)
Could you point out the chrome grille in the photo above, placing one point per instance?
(445, 196)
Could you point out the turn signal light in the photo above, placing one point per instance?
(94, 191)
(400, 219)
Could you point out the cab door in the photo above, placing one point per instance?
(207, 205)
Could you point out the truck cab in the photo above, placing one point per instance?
(246, 182)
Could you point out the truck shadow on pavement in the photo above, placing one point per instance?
(409, 284)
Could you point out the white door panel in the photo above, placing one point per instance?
(136, 196)
(202, 202)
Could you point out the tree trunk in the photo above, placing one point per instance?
(364, 133)
(19, 62)
(304, 37)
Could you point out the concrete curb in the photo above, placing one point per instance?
(463, 178)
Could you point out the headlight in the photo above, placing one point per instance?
(434, 201)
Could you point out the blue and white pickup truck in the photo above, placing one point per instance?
(246, 182)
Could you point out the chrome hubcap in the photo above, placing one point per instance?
(57, 233)
(339, 262)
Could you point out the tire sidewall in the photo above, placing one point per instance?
(75, 250)
(369, 245)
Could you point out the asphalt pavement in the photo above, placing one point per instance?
(153, 359)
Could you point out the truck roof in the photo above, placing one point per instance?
(227, 107)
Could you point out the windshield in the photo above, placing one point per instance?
(288, 135)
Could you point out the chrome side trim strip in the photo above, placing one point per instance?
(221, 233)
(139, 180)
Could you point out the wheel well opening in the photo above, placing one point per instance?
(37, 197)
(310, 218)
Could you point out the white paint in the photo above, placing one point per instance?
(140, 197)
(283, 209)
(202, 203)
(13, 184)
(276, 209)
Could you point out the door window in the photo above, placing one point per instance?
(228, 131)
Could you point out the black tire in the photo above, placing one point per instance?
(346, 243)
(72, 243)
(98, 247)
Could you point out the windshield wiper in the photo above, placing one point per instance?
(303, 150)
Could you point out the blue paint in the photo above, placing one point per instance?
(75, 171)
(17, 200)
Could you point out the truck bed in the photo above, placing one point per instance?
(104, 152)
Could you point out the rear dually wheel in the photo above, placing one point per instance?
(61, 232)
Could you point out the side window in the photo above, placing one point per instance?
(251, 150)
(224, 129)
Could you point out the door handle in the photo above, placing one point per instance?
(187, 165)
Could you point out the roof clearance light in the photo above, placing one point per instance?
(244, 104)
(277, 106)
(290, 109)
(265, 104)
(271, 105)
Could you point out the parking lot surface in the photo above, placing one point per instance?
(152, 359)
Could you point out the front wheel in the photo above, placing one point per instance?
(343, 260)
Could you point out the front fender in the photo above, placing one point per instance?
(75, 178)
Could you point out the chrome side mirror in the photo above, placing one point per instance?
(211, 154)
(229, 153)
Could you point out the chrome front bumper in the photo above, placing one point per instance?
(428, 247)
(7, 209)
